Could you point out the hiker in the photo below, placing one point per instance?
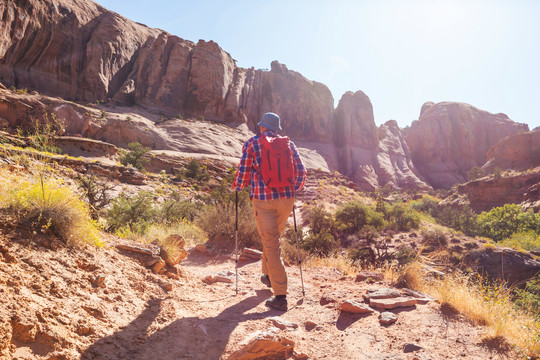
(272, 193)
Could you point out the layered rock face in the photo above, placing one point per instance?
(451, 138)
(518, 152)
(80, 51)
(373, 157)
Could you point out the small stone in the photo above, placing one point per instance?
(408, 348)
(392, 303)
(310, 325)
(158, 267)
(98, 280)
(203, 249)
(282, 323)
(387, 318)
(264, 345)
(166, 286)
(355, 307)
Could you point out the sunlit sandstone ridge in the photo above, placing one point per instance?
(80, 51)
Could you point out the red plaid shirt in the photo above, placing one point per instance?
(251, 161)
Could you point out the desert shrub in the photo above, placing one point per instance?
(133, 214)
(46, 205)
(175, 209)
(194, 170)
(402, 217)
(320, 220)
(528, 298)
(219, 223)
(135, 155)
(463, 219)
(525, 240)
(427, 204)
(95, 192)
(434, 239)
(43, 132)
(501, 222)
(475, 173)
(497, 173)
(320, 244)
(354, 215)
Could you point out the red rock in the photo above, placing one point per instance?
(365, 274)
(517, 152)
(264, 345)
(355, 307)
(392, 303)
(451, 138)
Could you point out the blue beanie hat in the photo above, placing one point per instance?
(270, 121)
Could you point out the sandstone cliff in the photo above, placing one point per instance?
(518, 152)
(79, 51)
(451, 138)
(373, 157)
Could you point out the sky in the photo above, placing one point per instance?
(400, 53)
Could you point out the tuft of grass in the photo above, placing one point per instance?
(483, 303)
(340, 262)
(47, 205)
(191, 233)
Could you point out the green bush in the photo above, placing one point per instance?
(464, 219)
(174, 210)
(320, 220)
(402, 217)
(134, 213)
(353, 216)
(428, 204)
(525, 240)
(475, 173)
(135, 155)
(529, 297)
(321, 244)
(501, 222)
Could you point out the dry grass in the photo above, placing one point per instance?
(340, 262)
(487, 305)
(45, 204)
(191, 233)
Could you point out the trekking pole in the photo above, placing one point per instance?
(298, 249)
(236, 242)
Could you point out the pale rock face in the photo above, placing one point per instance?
(518, 152)
(372, 156)
(451, 138)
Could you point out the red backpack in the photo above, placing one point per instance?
(277, 167)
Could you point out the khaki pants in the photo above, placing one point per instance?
(271, 217)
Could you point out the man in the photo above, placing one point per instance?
(271, 205)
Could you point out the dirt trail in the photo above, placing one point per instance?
(104, 304)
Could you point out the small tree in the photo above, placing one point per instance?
(475, 173)
(135, 155)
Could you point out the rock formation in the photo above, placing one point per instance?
(372, 156)
(80, 51)
(518, 152)
(451, 138)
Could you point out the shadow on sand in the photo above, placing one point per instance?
(185, 338)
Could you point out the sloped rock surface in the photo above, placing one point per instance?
(451, 138)
(518, 152)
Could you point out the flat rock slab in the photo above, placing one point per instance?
(420, 297)
(282, 323)
(387, 318)
(374, 275)
(250, 254)
(392, 303)
(355, 307)
(223, 276)
(381, 294)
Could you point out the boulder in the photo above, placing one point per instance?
(507, 264)
(283, 324)
(381, 294)
(451, 138)
(355, 307)
(250, 254)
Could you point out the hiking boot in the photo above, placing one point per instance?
(278, 302)
(265, 279)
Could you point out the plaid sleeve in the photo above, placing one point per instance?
(243, 173)
(299, 169)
